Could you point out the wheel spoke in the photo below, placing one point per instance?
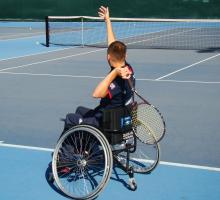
(82, 162)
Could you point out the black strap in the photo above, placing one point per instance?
(123, 93)
(123, 87)
(130, 83)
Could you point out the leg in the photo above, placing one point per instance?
(91, 121)
(90, 116)
(82, 115)
(71, 120)
(84, 112)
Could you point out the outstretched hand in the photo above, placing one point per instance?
(103, 12)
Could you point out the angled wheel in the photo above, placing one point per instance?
(82, 162)
(144, 158)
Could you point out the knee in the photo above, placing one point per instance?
(73, 119)
(79, 109)
(69, 116)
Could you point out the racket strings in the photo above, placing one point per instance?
(147, 123)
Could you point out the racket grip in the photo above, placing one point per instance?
(130, 82)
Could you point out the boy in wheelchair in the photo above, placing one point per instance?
(114, 90)
(83, 158)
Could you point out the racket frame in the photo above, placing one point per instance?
(135, 105)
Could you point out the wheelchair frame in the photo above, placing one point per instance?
(84, 156)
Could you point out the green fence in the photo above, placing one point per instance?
(38, 9)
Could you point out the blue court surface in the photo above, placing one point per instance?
(39, 85)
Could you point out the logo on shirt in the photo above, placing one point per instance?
(112, 86)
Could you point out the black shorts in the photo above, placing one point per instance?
(83, 115)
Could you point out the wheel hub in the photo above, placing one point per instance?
(81, 163)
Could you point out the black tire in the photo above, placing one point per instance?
(144, 159)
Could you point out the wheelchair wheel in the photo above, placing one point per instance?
(82, 162)
(143, 159)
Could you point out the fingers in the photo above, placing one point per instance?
(103, 9)
(103, 12)
(124, 73)
(127, 70)
(127, 76)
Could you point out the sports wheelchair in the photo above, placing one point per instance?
(84, 156)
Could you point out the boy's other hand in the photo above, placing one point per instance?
(103, 12)
(124, 72)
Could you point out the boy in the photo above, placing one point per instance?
(114, 90)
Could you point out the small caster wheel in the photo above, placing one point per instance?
(132, 184)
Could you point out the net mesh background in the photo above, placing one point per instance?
(136, 33)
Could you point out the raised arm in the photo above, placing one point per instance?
(104, 13)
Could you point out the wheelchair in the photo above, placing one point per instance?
(84, 156)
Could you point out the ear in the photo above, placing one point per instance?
(108, 59)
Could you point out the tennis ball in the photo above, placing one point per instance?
(37, 43)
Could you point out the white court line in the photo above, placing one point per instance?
(190, 166)
(186, 67)
(179, 81)
(25, 147)
(20, 38)
(54, 59)
(35, 54)
(161, 162)
(40, 62)
(54, 75)
(101, 77)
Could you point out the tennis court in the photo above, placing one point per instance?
(39, 85)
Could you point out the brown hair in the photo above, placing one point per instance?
(117, 50)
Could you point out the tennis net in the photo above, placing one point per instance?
(136, 33)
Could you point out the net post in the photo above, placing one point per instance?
(82, 33)
(47, 31)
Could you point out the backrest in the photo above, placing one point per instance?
(116, 123)
(117, 119)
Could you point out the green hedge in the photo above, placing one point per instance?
(38, 9)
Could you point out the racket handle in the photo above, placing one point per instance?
(134, 91)
(131, 84)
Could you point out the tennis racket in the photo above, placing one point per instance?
(147, 121)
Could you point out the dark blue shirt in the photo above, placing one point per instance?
(119, 92)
